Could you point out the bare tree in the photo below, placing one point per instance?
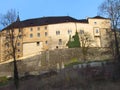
(86, 42)
(11, 35)
(111, 9)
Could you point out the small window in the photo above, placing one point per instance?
(95, 23)
(38, 28)
(18, 44)
(57, 32)
(97, 31)
(45, 27)
(46, 33)
(60, 42)
(18, 50)
(69, 31)
(38, 43)
(31, 29)
(31, 35)
(81, 31)
(38, 34)
(46, 42)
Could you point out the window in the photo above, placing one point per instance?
(95, 23)
(31, 35)
(38, 28)
(45, 27)
(18, 44)
(69, 31)
(31, 29)
(57, 32)
(97, 31)
(38, 43)
(46, 42)
(81, 31)
(38, 34)
(46, 33)
(60, 42)
(18, 50)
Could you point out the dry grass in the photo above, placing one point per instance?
(70, 79)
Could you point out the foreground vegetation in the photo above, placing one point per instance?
(88, 78)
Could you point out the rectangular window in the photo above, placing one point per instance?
(46, 42)
(38, 34)
(96, 31)
(38, 28)
(46, 33)
(57, 32)
(38, 43)
(95, 23)
(18, 44)
(69, 32)
(60, 42)
(31, 29)
(31, 35)
(45, 27)
(18, 50)
(81, 31)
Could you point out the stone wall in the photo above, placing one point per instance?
(53, 60)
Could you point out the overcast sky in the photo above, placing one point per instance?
(27, 9)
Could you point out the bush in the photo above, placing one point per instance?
(72, 62)
(3, 80)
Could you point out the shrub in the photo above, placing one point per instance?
(72, 62)
(3, 80)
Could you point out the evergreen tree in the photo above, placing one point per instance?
(74, 41)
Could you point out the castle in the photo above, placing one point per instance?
(33, 36)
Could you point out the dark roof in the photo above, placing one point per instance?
(42, 21)
(99, 17)
(46, 21)
(83, 21)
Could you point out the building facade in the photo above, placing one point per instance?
(33, 36)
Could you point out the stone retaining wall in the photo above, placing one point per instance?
(53, 60)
